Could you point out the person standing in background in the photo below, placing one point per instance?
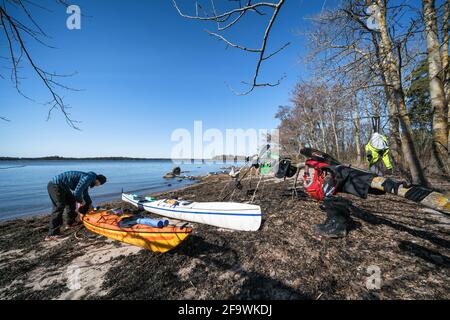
(377, 154)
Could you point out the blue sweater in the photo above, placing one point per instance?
(77, 181)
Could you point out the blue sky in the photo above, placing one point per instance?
(145, 71)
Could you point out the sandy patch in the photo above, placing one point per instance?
(85, 274)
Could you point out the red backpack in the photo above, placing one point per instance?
(322, 183)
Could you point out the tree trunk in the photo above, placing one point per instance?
(445, 66)
(359, 157)
(445, 42)
(342, 149)
(324, 134)
(437, 93)
(434, 200)
(396, 146)
(357, 125)
(390, 68)
(334, 126)
(395, 137)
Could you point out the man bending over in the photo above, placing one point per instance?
(69, 191)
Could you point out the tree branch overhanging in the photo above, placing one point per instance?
(14, 32)
(231, 18)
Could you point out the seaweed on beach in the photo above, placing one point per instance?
(285, 259)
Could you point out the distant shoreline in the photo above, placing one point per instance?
(57, 158)
(97, 158)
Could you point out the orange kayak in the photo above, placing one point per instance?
(106, 223)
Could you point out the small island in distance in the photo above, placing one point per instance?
(229, 157)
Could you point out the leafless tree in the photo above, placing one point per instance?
(230, 18)
(320, 117)
(445, 43)
(436, 76)
(17, 24)
(445, 66)
(345, 44)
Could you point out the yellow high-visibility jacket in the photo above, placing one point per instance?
(373, 155)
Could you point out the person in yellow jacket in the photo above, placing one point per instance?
(377, 152)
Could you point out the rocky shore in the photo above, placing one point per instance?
(408, 246)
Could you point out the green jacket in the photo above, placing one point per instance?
(266, 167)
(373, 155)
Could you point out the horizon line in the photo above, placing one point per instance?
(114, 157)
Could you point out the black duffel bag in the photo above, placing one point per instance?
(285, 169)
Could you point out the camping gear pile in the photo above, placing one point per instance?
(323, 178)
(331, 177)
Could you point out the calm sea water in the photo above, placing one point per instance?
(23, 184)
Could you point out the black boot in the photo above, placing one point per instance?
(335, 228)
(338, 217)
(325, 223)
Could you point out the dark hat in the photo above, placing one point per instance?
(101, 178)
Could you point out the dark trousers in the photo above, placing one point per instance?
(62, 200)
(378, 168)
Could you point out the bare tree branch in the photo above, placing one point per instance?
(230, 43)
(227, 14)
(235, 16)
(14, 30)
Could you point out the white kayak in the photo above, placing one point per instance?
(229, 215)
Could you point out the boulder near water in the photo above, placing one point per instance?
(175, 172)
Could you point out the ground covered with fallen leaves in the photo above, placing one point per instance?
(407, 244)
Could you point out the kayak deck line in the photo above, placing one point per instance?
(209, 213)
(141, 203)
(129, 230)
(110, 232)
(154, 239)
(146, 201)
